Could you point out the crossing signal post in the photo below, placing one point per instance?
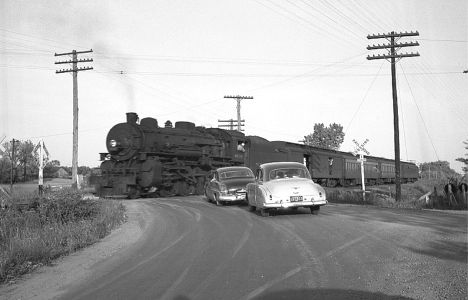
(393, 56)
(75, 69)
(360, 150)
(43, 154)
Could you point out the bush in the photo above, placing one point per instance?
(37, 230)
(382, 196)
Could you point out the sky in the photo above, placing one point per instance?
(303, 62)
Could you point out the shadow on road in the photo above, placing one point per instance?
(441, 222)
(326, 294)
(447, 250)
(322, 294)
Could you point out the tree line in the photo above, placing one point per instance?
(25, 163)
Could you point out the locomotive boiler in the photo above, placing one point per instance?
(146, 159)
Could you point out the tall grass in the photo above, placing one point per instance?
(411, 194)
(34, 230)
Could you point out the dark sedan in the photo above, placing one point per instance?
(228, 184)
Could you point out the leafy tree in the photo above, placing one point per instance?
(330, 137)
(51, 167)
(464, 159)
(84, 170)
(7, 162)
(437, 170)
(26, 158)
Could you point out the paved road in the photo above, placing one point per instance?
(192, 249)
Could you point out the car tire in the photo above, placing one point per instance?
(315, 210)
(207, 198)
(218, 202)
(264, 212)
(250, 207)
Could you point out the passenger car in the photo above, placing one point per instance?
(284, 185)
(228, 184)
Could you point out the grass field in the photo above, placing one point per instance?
(32, 186)
(35, 230)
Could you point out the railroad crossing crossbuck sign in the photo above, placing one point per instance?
(360, 148)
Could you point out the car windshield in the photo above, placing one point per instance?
(244, 173)
(288, 173)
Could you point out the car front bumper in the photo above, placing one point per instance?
(232, 198)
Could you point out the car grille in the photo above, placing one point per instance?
(239, 192)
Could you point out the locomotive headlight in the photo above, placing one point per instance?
(113, 143)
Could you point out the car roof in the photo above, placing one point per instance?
(224, 169)
(274, 165)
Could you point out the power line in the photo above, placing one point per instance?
(364, 98)
(420, 114)
(302, 75)
(446, 40)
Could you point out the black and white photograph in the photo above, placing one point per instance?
(222, 149)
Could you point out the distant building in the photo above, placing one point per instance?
(61, 173)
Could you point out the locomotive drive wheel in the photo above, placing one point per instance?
(315, 210)
(264, 212)
(133, 192)
(200, 185)
(191, 189)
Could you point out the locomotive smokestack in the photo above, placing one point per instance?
(132, 118)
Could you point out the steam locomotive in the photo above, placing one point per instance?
(146, 159)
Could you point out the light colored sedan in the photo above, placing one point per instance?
(284, 185)
(228, 184)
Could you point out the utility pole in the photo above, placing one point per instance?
(75, 69)
(392, 55)
(239, 98)
(13, 142)
(230, 125)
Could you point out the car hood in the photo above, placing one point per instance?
(293, 186)
(237, 183)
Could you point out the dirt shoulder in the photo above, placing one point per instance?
(47, 282)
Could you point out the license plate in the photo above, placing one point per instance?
(295, 198)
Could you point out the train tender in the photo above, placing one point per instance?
(146, 159)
